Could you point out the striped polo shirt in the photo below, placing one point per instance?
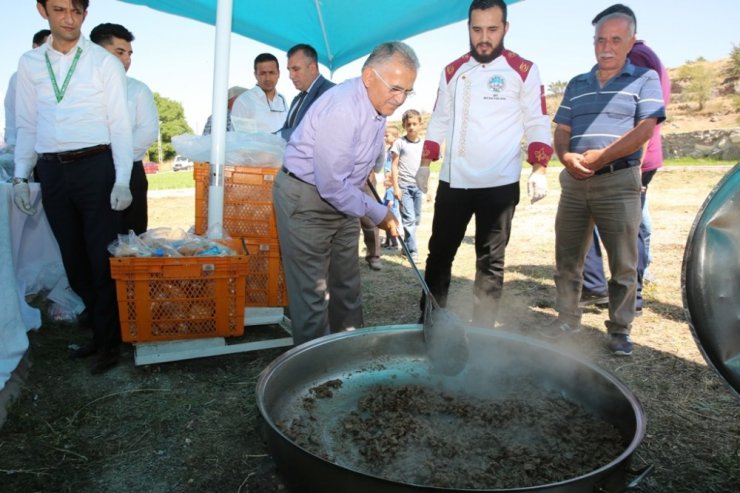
(598, 116)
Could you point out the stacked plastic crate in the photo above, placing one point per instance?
(172, 298)
(249, 219)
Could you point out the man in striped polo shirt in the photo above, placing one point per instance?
(604, 120)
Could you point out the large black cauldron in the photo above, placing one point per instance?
(369, 356)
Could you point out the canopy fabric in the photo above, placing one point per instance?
(340, 30)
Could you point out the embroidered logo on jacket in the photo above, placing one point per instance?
(496, 84)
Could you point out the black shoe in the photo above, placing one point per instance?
(84, 351)
(638, 311)
(590, 298)
(620, 344)
(557, 328)
(104, 362)
(84, 321)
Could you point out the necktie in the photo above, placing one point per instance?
(294, 109)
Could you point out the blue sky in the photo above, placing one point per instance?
(174, 55)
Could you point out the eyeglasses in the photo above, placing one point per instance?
(395, 90)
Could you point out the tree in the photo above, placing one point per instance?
(557, 88)
(171, 123)
(734, 69)
(700, 76)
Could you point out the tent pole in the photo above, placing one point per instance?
(218, 118)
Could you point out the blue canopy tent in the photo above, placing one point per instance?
(340, 30)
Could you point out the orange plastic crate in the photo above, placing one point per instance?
(248, 210)
(172, 298)
(265, 283)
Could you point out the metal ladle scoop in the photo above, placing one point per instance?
(444, 332)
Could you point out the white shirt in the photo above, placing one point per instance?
(144, 117)
(10, 111)
(482, 113)
(253, 105)
(92, 112)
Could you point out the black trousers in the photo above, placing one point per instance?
(76, 199)
(136, 216)
(493, 209)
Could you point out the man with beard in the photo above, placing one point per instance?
(487, 100)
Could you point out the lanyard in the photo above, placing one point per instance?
(57, 92)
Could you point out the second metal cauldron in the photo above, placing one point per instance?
(373, 355)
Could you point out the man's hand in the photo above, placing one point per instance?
(389, 223)
(120, 197)
(422, 179)
(537, 186)
(22, 198)
(573, 162)
(592, 159)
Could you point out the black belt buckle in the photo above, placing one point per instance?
(65, 158)
(292, 175)
(614, 166)
(73, 156)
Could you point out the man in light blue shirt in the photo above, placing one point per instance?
(606, 117)
(319, 195)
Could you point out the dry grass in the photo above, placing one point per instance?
(190, 426)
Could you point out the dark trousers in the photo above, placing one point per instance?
(371, 237)
(370, 232)
(319, 251)
(76, 199)
(594, 277)
(136, 216)
(453, 208)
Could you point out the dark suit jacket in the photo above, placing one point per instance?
(320, 87)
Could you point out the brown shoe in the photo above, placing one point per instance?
(104, 362)
(374, 263)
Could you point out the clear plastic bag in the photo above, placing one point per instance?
(259, 149)
(7, 162)
(167, 242)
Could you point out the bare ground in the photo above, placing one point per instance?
(190, 426)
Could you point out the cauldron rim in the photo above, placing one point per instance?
(621, 460)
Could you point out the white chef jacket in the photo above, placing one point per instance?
(253, 105)
(10, 111)
(93, 111)
(482, 112)
(144, 117)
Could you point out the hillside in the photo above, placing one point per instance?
(720, 111)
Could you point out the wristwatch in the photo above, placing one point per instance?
(16, 180)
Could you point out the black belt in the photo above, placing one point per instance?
(617, 165)
(67, 157)
(293, 175)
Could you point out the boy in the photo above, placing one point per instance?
(390, 199)
(389, 137)
(406, 153)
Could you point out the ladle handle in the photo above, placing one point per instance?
(406, 251)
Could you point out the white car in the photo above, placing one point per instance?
(181, 163)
